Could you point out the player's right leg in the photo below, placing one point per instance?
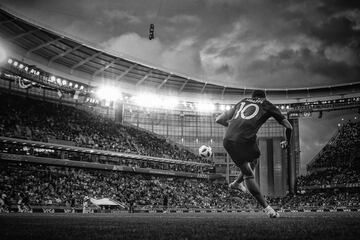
(253, 188)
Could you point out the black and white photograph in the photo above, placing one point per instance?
(179, 119)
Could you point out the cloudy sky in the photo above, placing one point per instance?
(252, 43)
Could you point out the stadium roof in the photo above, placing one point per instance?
(76, 56)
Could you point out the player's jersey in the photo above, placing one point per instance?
(246, 117)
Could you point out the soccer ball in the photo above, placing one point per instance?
(205, 151)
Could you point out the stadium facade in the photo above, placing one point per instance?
(76, 61)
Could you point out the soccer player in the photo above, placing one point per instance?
(131, 202)
(243, 122)
(86, 205)
(165, 202)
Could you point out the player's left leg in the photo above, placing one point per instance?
(239, 181)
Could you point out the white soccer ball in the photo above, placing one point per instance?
(205, 151)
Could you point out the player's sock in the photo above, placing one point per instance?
(243, 187)
(236, 185)
(271, 212)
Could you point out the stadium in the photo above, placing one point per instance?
(98, 144)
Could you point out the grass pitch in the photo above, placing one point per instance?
(329, 225)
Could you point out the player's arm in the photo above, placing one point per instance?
(288, 131)
(224, 118)
(274, 112)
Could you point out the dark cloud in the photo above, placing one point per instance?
(224, 69)
(337, 30)
(231, 51)
(307, 62)
(338, 71)
(329, 7)
(263, 43)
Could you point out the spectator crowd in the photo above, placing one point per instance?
(320, 198)
(66, 187)
(42, 121)
(338, 153)
(63, 186)
(338, 162)
(331, 176)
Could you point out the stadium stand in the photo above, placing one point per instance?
(50, 186)
(333, 176)
(337, 153)
(61, 186)
(44, 121)
(321, 199)
(337, 163)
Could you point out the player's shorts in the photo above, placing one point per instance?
(241, 152)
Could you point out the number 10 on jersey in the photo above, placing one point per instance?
(244, 107)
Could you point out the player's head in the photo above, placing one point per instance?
(258, 94)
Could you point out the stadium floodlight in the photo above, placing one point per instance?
(10, 61)
(76, 85)
(147, 100)
(81, 87)
(107, 93)
(58, 81)
(222, 107)
(227, 107)
(192, 106)
(70, 84)
(26, 68)
(16, 63)
(52, 79)
(205, 107)
(21, 66)
(169, 102)
(64, 82)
